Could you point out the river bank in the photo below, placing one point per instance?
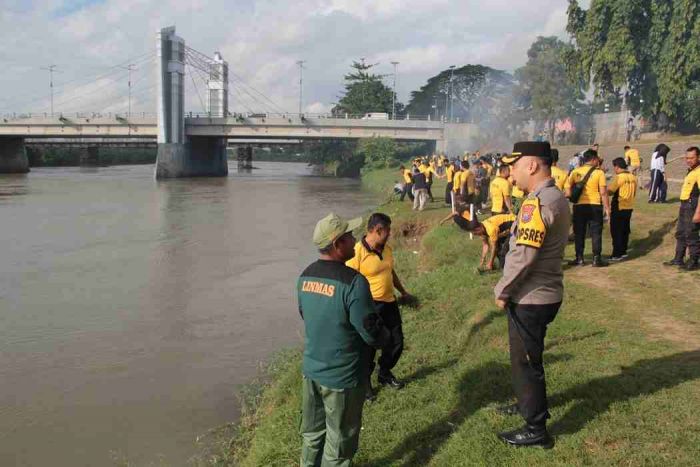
(622, 361)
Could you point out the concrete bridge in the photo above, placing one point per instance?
(196, 145)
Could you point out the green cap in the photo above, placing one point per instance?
(331, 227)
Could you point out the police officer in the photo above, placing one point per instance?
(531, 288)
(340, 324)
(688, 230)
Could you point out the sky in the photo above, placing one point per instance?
(90, 42)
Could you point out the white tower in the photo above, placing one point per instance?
(171, 87)
(218, 87)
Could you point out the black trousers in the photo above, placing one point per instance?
(687, 233)
(448, 193)
(583, 215)
(407, 190)
(430, 192)
(391, 352)
(655, 188)
(620, 221)
(527, 327)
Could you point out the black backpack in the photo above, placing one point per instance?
(577, 189)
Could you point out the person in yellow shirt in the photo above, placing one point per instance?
(407, 183)
(494, 233)
(624, 191)
(429, 171)
(466, 188)
(688, 229)
(586, 188)
(374, 259)
(500, 190)
(449, 175)
(558, 174)
(634, 162)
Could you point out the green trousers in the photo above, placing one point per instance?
(330, 424)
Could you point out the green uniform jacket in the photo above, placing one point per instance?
(340, 323)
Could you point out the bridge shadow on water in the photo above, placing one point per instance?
(490, 384)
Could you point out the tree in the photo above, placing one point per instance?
(547, 91)
(378, 152)
(365, 92)
(475, 90)
(648, 51)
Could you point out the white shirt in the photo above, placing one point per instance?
(657, 163)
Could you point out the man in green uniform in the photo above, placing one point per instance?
(340, 324)
(531, 288)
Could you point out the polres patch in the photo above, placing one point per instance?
(527, 211)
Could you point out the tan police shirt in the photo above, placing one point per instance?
(532, 273)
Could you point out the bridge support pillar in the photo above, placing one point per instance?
(440, 146)
(199, 157)
(90, 156)
(13, 156)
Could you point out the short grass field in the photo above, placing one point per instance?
(622, 360)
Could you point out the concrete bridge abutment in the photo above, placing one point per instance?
(199, 157)
(13, 156)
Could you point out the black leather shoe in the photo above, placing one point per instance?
(599, 262)
(388, 379)
(528, 436)
(511, 409)
(692, 266)
(577, 262)
(674, 262)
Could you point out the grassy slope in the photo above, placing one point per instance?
(622, 361)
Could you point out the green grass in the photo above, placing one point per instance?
(622, 367)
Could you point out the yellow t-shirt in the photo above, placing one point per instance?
(450, 173)
(427, 171)
(469, 177)
(499, 189)
(407, 176)
(624, 190)
(559, 177)
(378, 270)
(632, 158)
(591, 192)
(691, 184)
(498, 226)
(457, 181)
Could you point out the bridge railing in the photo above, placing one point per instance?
(117, 116)
(345, 116)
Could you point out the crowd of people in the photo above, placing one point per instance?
(348, 300)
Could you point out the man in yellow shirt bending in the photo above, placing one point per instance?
(624, 191)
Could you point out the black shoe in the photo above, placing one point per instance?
(674, 262)
(528, 436)
(511, 409)
(388, 379)
(577, 262)
(614, 259)
(692, 266)
(599, 262)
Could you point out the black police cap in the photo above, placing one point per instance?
(529, 148)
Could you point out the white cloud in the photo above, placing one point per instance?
(262, 41)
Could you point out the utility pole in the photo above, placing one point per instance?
(130, 67)
(393, 93)
(50, 68)
(452, 69)
(301, 82)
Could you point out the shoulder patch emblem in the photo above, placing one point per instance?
(527, 211)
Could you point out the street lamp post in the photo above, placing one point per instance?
(393, 93)
(301, 82)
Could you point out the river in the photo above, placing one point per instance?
(131, 310)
